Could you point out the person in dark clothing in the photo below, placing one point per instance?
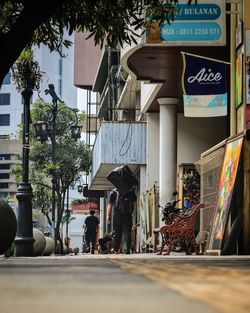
(91, 229)
(123, 207)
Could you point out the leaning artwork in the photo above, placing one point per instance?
(225, 191)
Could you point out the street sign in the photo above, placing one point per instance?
(199, 24)
(191, 32)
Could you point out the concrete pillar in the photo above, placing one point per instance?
(152, 150)
(167, 148)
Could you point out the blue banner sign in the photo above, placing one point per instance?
(197, 12)
(204, 86)
(202, 24)
(191, 32)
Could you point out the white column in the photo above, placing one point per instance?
(167, 149)
(152, 149)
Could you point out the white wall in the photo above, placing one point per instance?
(148, 94)
(102, 217)
(15, 109)
(49, 64)
(69, 91)
(152, 172)
(143, 186)
(196, 135)
(75, 230)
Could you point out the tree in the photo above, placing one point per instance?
(41, 189)
(27, 22)
(71, 158)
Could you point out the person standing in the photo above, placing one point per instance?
(123, 207)
(91, 230)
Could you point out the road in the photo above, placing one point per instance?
(119, 283)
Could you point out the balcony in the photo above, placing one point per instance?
(90, 125)
(117, 143)
(105, 82)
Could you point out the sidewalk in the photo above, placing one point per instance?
(145, 283)
(223, 282)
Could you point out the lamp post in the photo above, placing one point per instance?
(80, 188)
(43, 131)
(27, 76)
(24, 239)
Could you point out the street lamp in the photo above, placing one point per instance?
(80, 188)
(41, 129)
(27, 76)
(46, 129)
(76, 131)
(24, 239)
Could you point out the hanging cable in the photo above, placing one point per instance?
(127, 138)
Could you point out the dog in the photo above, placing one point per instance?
(105, 243)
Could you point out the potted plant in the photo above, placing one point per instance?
(191, 188)
(26, 72)
(52, 169)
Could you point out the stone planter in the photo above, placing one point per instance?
(39, 243)
(8, 226)
(49, 247)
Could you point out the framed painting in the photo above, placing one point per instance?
(226, 187)
(239, 34)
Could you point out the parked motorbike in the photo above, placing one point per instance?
(170, 207)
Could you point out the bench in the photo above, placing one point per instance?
(179, 228)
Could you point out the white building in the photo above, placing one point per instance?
(58, 70)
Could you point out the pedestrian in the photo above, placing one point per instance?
(91, 230)
(123, 207)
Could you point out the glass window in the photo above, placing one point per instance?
(4, 119)
(4, 136)
(4, 175)
(60, 67)
(4, 185)
(5, 99)
(6, 80)
(4, 156)
(4, 166)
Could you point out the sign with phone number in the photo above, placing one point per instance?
(191, 32)
(201, 24)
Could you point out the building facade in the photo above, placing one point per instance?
(58, 70)
(9, 158)
(143, 83)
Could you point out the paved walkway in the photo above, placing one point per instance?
(118, 283)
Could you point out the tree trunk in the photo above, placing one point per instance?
(49, 220)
